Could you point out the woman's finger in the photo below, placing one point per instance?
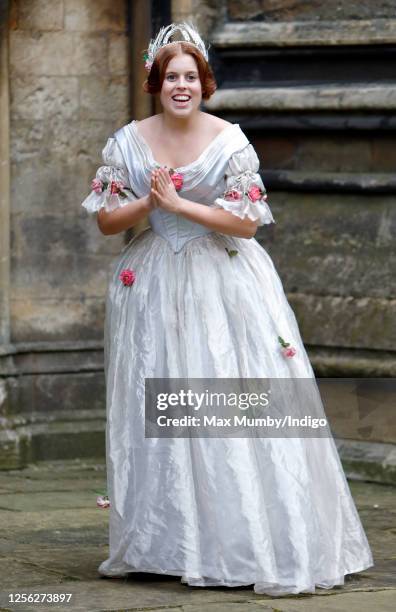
(160, 187)
(157, 182)
(156, 195)
(163, 178)
(152, 188)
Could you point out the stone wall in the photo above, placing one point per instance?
(67, 68)
(312, 84)
(68, 74)
(327, 156)
(308, 10)
(317, 100)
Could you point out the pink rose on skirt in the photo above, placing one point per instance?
(289, 351)
(177, 179)
(127, 276)
(97, 185)
(254, 193)
(233, 195)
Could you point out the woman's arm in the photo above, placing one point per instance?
(124, 217)
(219, 220)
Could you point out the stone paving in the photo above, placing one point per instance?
(53, 537)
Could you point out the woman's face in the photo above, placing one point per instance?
(181, 92)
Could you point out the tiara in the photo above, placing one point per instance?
(188, 33)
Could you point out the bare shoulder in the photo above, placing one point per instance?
(216, 123)
(149, 125)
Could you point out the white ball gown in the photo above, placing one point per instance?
(275, 513)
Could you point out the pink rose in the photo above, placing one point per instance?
(116, 187)
(102, 502)
(177, 179)
(148, 65)
(97, 185)
(128, 277)
(254, 193)
(289, 351)
(233, 195)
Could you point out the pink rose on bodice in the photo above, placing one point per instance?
(254, 193)
(177, 179)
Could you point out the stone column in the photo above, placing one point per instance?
(4, 179)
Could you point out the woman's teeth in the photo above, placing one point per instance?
(181, 98)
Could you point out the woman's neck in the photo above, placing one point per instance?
(181, 125)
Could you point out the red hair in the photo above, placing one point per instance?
(153, 83)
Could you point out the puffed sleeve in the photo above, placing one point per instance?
(110, 189)
(245, 194)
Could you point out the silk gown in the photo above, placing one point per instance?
(275, 513)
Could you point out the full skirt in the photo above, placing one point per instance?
(275, 513)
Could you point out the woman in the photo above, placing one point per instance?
(196, 296)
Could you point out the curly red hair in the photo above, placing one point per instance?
(153, 83)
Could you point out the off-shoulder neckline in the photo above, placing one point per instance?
(197, 161)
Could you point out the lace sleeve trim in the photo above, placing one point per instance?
(110, 188)
(246, 196)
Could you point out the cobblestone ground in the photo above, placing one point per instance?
(52, 539)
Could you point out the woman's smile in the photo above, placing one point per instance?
(181, 100)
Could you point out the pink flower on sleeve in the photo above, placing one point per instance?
(233, 195)
(255, 193)
(97, 185)
(116, 187)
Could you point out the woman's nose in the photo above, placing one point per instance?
(181, 82)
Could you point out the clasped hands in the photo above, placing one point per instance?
(162, 192)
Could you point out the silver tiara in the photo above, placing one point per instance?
(188, 33)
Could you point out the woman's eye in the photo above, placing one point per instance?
(190, 77)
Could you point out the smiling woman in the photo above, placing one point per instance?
(195, 296)
(179, 138)
(154, 81)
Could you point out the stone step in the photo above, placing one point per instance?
(362, 460)
(370, 461)
(303, 33)
(314, 121)
(334, 97)
(352, 182)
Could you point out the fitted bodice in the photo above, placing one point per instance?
(203, 179)
(175, 229)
